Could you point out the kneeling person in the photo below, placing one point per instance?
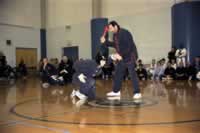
(85, 70)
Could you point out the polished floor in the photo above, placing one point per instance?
(166, 107)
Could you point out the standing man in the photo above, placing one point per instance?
(181, 54)
(126, 56)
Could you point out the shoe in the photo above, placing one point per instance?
(137, 96)
(113, 94)
(81, 96)
(73, 94)
(114, 98)
(138, 101)
(80, 102)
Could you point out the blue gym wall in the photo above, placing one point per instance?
(186, 27)
(97, 27)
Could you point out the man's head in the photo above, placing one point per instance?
(65, 59)
(168, 64)
(113, 26)
(45, 60)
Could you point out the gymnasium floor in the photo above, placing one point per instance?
(166, 107)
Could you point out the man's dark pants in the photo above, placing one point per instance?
(119, 76)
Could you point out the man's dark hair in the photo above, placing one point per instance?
(114, 23)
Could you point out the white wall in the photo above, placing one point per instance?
(77, 35)
(74, 13)
(20, 22)
(20, 37)
(113, 8)
(20, 12)
(66, 12)
(149, 22)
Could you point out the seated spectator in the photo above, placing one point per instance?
(173, 63)
(139, 62)
(191, 72)
(98, 57)
(152, 67)
(198, 75)
(22, 69)
(54, 62)
(181, 72)
(2, 66)
(108, 68)
(171, 55)
(66, 69)
(157, 71)
(48, 73)
(6, 71)
(197, 63)
(169, 72)
(163, 67)
(141, 72)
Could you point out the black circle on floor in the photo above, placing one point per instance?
(115, 102)
(45, 119)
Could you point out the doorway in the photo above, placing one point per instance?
(29, 55)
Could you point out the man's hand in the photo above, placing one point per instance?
(102, 39)
(118, 57)
(115, 57)
(102, 63)
(112, 56)
(82, 78)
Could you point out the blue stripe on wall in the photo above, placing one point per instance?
(43, 44)
(97, 27)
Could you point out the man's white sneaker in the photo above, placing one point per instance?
(114, 98)
(113, 94)
(137, 96)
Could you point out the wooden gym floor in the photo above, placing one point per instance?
(167, 107)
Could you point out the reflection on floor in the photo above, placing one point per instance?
(170, 106)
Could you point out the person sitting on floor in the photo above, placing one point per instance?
(141, 72)
(181, 72)
(65, 69)
(169, 72)
(152, 68)
(173, 63)
(49, 74)
(171, 55)
(157, 71)
(191, 71)
(22, 69)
